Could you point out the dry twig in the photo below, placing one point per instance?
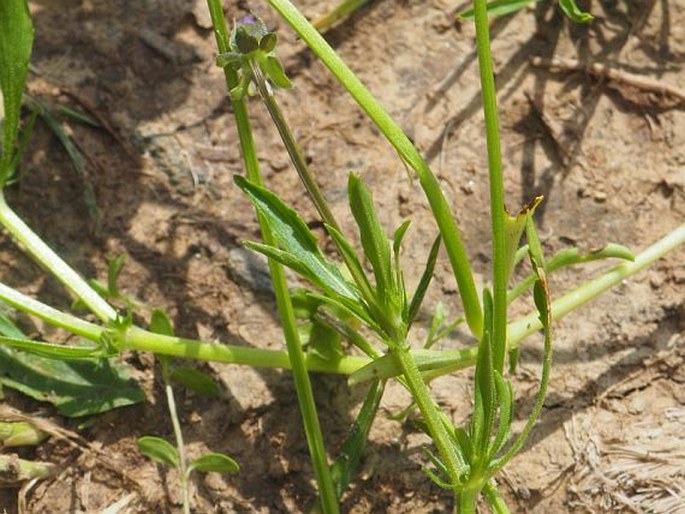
(599, 70)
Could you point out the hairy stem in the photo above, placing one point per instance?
(429, 411)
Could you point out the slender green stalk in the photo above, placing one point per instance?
(44, 255)
(305, 395)
(467, 501)
(303, 171)
(178, 434)
(394, 134)
(522, 328)
(497, 504)
(293, 149)
(430, 412)
(57, 318)
(497, 213)
(172, 346)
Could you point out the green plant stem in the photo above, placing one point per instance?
(497, 504)
(467, 501)
(522, 328)
(429, 411)
(57, 318)
(303, 387)
(497, 212)
(293, 149)
(407, 151)
(178, 434)
(44, 255)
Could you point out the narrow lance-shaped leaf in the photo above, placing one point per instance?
(273, 69)
(160, 323)
(505, 399)
(353, 264)
(114, 268)
(426, 360)
(542, 298)
(426, 277)
(569, 257)
(374, 239)
(346, 463)
(484, 393)
(295, 239)
(16, 40)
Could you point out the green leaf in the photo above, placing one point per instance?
(75, 388)
(347, 461)
(513, 230)
(195, 380)
(499, 8)
(543, 303)
(273, 69)
(228, 59)
(297, 243)
(569, 257)
(485, 392)
(535, 252)
(353, 264)
(349, 308)
(426, 277)
(16, 40)
(160, 323)
(398, 237)
(505, 399)
(374, 239)
(115, 265)
(572, 10)
(77, 159)
(268, 43)
(245, 42)
(159, 450)
(216, 462)
(51, 350)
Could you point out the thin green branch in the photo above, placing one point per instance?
(57, 318)
(497, 212)
(45, 256)
(293, 149)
